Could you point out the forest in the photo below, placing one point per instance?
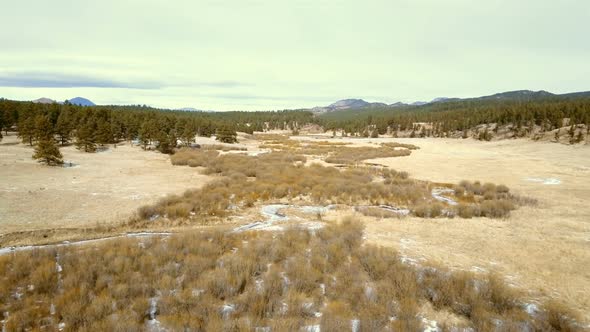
(451, 116)
(93, 127)
(90, 128)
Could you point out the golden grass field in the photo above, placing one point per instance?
(544, 249)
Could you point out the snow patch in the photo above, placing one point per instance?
(311, 328)
(8, 250)
(547, 181)
(437, 193)
(273, 215)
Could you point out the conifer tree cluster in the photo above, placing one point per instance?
(93, 128)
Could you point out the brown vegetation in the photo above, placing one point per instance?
(335, 152)
(239, 281)
(281, 175)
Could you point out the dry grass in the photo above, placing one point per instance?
(281, 175)
(335, 152)
(227, 281)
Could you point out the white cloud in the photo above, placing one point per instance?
(276, 54)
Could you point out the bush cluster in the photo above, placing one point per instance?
(216, 281)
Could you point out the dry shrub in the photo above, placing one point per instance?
(377, 212)
(431, 210)
(496, 208)
(228, 281)
(400, 145)
(221, 147)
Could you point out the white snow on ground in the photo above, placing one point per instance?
(531, 309)
(388, 208)
(549, 181)
(438, 192)
(8, 250)
(311, 328)
(430, 325)
(153, 324)
(6, 314)
(227, 309)
(273, 215)
(354, 325)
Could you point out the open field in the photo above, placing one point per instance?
(102, 188)
(544, 248)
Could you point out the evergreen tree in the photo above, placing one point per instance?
(64, 126)
(26, 130)
(47, 152)
(226, 134)
(85, 138)
(43, 128)
(166, 141)
(104, 134)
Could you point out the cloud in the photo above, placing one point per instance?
(58, 80)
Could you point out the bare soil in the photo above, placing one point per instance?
(101, 188)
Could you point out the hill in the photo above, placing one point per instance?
(81, 101)
(44, 100)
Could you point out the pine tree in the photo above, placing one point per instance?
(43, 128)
(85, 139)
(47, 152)
(26, 130)
(226, 134)
(166, 141)
(64, 126)
(104, 134)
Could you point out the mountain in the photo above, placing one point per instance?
(44, 100)
(81, 101)
(398, 104)
(519, 95)
(346, 104)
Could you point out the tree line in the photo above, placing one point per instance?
(447, 117)
(47, 126)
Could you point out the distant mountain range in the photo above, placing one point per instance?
(75, 101)
(352, 104)
(519, 95)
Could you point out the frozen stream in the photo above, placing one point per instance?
(274, 217)
(8, 250)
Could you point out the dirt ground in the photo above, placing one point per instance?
(103, 187)
(545, 249)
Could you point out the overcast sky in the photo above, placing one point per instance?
(276, 54)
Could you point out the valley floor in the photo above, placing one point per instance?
(100, 188)
(545, 249)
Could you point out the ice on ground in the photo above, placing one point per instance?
(430, 325)
(273, 215)
(531, 309)
(549, 181)
(69, 164)
(227, 309)
(437, 193)
(8, 250)
(311, 328)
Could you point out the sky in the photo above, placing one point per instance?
(286, 54)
